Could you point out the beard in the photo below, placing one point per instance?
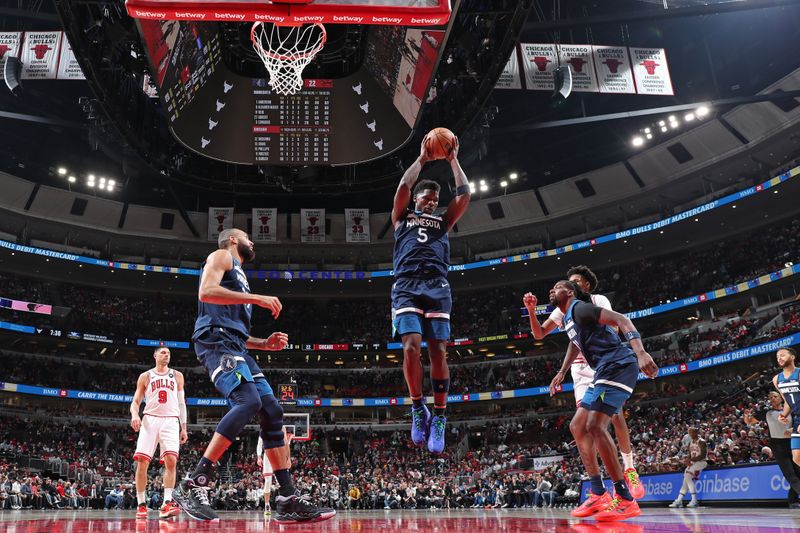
(247, 254)
(554, 301)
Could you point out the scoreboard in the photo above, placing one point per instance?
(287, 394)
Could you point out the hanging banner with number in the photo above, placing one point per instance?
(539, 61)
(509, 78)
(651, 72)
(580, 61)
(265, 224)
(219, 219)
(312, 225)
(68, 67)
(356, 224)
(40, 53)
(613, 69)
(9, 46)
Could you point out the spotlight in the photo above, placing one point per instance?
(513, 176)
(71, 179)
(102, 186)
(662, 123)
(637, 141)
(647, 130)
(649, 135)
(674, 125)
(91, 177)
(482, 182)
(664, 129)
(62, 171)
(702, 111)
(689, 117)
(471, 186)
(504, 183)
(111, 183)
(90, 184)
(110, 188)
(484, 187)
(671, 118)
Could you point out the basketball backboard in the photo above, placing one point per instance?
(298, 425)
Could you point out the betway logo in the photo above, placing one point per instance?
(229, 16)
(268, 18)
(189, 15)
(308, 18)
(386, 20)
(149, 14)
(435, 20)
(345, 18)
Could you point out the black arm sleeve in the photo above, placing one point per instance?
(586, 314)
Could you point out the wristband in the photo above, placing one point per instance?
(462, 189)
(632, 335)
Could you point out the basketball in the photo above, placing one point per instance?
(439, 143)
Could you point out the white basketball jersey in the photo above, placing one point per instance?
(161, 394)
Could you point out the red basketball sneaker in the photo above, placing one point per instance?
(618, 509)
(634, 483)
(169, 509)
(141, 511)
(593, 504)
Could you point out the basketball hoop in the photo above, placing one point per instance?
(285, 51)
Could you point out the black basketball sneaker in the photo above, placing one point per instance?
(295, 509)
(192, 497)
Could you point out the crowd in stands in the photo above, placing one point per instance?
(638, 285)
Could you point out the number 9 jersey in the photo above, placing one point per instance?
(421, 246)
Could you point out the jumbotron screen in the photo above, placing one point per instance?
(227, 117)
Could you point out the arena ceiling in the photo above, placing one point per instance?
(716, 50)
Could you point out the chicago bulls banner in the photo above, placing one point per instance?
(219, 219)
(312, 225)
(650, 71)
(539, 61)
(509, 78)
(613, 69)
(68, 67)
(265, 224)
(356, 224)
(9, 46)
(40, 53)
(581, 63)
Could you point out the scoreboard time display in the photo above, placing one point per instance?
(287, 394)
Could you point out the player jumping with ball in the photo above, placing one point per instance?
(421, 298)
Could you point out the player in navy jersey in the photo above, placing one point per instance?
(221, 340)
(421, 299)
(591, 331)
(788, 384)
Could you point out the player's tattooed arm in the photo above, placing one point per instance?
(402, 196)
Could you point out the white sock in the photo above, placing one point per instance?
(141, 497)
(167, 494)
(627, 460)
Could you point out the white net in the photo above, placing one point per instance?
(285, 51)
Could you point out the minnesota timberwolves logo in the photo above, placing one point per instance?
(227, 363)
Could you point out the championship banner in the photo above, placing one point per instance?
(539, 61)
(68, 67)
(356, 222)
(9, 46)
(312, 225)
(581, 63)
(219, 219)
(29, 307)
(613, 67)
(265, 224)
(651, 72)
(509, 78)
(40, 54)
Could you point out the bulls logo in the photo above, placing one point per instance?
(650, 66)
(40, 50)
(264, 228)
(612, 64)
(577, 63)
(3, 49)
(541, 63)
(227, 363)
(220, 220)
(313, 220)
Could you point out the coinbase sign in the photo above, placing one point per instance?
(758, 482)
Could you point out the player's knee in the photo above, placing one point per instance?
(246, 399)
(412, 345)
(142, 463)
(271, 418)
(170, 462)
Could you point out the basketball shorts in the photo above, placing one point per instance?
(421, 306)
(162, 431)
(225, 356)
(582, 378)
(696, 467)
(613, 385)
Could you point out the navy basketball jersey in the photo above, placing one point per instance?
(421, 246)
(236, 316)
(599, 344)
(790, 389)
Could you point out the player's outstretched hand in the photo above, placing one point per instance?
(276, 342)
(647, 365)
(454, 153)
(556, 383)
(136, 423)
(271, 303)
(424, 157)
(529, 301)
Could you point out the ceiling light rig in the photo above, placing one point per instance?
(671, 123)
